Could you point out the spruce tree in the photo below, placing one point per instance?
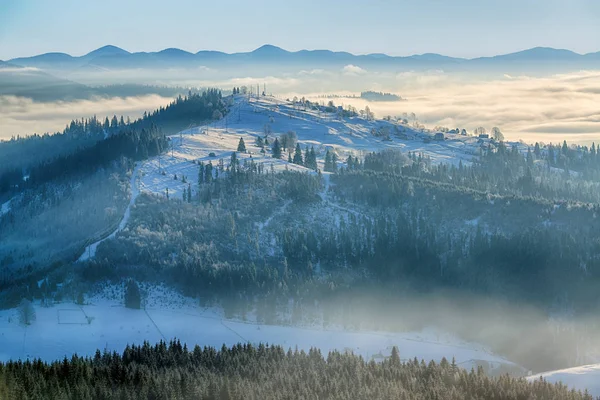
(298, 156)
(312, 163)
(328, 167)
(133, 298)
(241, 146)
(276, 150)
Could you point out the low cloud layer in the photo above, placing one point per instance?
(548, 109)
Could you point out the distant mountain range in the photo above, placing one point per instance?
(60, 76)
(114, 58)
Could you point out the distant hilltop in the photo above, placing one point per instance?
(379, 96)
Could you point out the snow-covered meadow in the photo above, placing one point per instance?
(103, 323)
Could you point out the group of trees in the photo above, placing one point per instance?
(246, 371)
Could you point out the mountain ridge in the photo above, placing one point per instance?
(271, 49)
(112, 57)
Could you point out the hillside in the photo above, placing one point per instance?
(582, 378)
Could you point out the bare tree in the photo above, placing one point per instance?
(26, 312)
(497, 134)
(268, 130)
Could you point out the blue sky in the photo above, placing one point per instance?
(464, 28)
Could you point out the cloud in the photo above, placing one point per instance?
(547, 108)
(312, 72)
(353, 70)
(23, 70)
(550, 108)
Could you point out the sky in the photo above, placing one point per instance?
(459, 28)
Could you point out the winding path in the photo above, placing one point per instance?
(90, 251)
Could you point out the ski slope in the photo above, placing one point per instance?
(580, 378)
(64, 329)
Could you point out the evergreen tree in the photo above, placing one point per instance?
(133, 298)
(298, 155)
(330, 162)
(260, 142)
(311, 162)
(276, 149)
(241, 146)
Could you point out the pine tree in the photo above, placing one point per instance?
(234, 160)
(529, 158)
(312, 159)
(307, 157)
(241, 146)
(334, 161)
(208, 173)
(395, 358)
(276, 149)
(260, 142)
(328, 162)
(201, 174)
(298, 156)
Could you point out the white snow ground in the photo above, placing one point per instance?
(580, 378)
(65, 329)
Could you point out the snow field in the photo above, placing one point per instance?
(103, 323)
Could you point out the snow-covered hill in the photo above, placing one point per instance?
(580, 378)
(324, 131)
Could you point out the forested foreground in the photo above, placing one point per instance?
(171, 371)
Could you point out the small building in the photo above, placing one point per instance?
(484, 136)
(439, 136)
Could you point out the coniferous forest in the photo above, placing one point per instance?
(172, 371)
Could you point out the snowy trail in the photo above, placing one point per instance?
(5, 207)
(90, 251)
(262, 225)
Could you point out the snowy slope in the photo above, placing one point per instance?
(580, 378)
(247, 119)
(64, 329)
(5, 208)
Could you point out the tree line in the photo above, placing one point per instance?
(246, 371)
